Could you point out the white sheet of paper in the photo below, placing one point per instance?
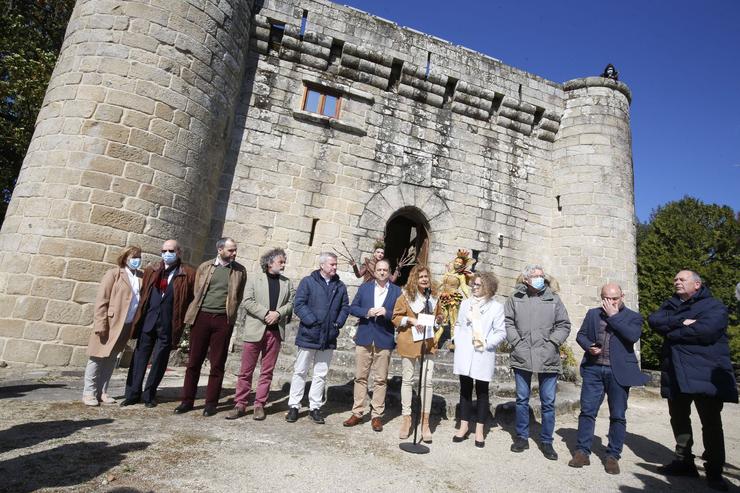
(427, 321)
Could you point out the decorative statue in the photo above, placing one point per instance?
(450, 298)
(460, 267)
(610, 72)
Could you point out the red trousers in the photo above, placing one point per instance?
(269, 347)
(209, 336)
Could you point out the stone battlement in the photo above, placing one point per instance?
(196, 121)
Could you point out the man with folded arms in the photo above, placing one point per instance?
(373, 305)
(696, 368)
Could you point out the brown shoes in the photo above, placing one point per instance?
(353, 420)
(236, 413)
(611, 465)
(579, 460)
(377, 424)
(259, 413)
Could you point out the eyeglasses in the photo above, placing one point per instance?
(170, 251)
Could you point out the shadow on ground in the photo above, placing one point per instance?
(15, 391)
(63, 466)
(30, 434)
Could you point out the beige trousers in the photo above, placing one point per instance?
(408, 366)
(365, 358)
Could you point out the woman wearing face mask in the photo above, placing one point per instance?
(409, 305)
(115, 307)
(479, 330)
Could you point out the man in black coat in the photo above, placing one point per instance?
(608, 335)
(696, 368)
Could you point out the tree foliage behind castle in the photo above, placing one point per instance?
(688, 234)
(31, 34)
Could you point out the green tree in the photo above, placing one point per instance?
(31, 34)
(687, 234)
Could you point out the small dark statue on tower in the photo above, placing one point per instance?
(610, 72)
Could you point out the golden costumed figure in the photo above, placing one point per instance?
(455, 288)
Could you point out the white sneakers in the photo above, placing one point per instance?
(90, 400)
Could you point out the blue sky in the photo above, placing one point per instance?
(680, 58)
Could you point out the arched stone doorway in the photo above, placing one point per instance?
(406, 230)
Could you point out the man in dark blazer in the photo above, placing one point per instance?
(166, 292)
(609, 366)
(373, 305)
(696, 368)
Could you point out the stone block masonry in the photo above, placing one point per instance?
(191, 120)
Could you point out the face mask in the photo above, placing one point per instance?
(538, 283)
(169, 257)
(134, 263)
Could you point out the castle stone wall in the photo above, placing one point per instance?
(128, 148)
(187, 121)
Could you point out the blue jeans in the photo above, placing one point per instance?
(598, 380)
(548, 384)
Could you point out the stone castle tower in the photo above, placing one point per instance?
(300, 123)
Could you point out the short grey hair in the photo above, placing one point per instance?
(324, 256)
(222, 242)
(529, 269)
(694, 276)
(270, 256)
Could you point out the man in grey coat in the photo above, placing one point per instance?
(537, 325)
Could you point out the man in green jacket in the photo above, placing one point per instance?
(537, 325)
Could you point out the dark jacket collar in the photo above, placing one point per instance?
(319, 278)
(702, 294)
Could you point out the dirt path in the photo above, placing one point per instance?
(48, 440)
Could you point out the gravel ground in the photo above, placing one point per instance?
(49, 441)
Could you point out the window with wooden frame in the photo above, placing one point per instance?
(321, 100)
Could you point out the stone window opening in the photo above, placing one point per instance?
(475, 255)
(429, 65)
(277, 29)
(304, 24)
(395, 78)
(321, 100)
(314, 222)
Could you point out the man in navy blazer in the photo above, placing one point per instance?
(609, 366)
(373, 305)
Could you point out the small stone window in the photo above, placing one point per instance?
(321, 100)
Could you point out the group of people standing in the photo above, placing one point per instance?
(155, 306)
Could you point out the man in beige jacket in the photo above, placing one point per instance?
(268, 300)
(219, 288)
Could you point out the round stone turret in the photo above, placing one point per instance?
(594, 219)
(128, 149)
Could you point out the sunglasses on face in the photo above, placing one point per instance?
(170, 251)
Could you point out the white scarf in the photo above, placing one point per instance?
(418, 304)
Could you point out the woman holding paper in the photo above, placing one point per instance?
(414, 317)
(479, 330)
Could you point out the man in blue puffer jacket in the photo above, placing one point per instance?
(696, 368)
(322, 304)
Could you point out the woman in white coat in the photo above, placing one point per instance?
(479, 330)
